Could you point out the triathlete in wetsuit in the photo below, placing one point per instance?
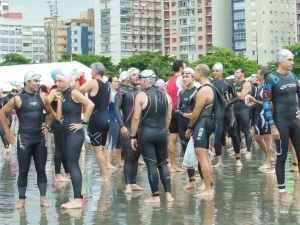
(31, 139)
(2, 133)
(69, 107)
(124, 107)
(98, 125)
(202, 124)
(281, 88)
(153, 112)
(241, 110)
(226, 88)
(185, 104)
(57, 128)
(262, 128)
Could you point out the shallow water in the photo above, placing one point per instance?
(244, 196)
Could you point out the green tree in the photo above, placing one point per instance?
(88, 60)
(295, 49)
(230, 61)
(15, 59)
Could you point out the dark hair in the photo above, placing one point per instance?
(110, 79)
(264, 71)
(177, 64)
(44, 88)
(242, 70)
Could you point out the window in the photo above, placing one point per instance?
(173, 40)
(173, 22)
(239, 25)
(253, 12)
(253, 22)
(240, 45)
(239, 35)
(238, 5)
(239, 16)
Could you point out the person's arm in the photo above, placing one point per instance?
(233, 95)
(87, 103)
(59, 115)
(246, 89)
(86, 87)
(49, 113)
(14, 102)
(169, 112)
(138, 103)
(118, 105)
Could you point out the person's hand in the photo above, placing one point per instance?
(58, 95)
(124, 132)
(10, 137)
(252, 99)
(134, 144)
(178, 112)
(274, 132)
(45, 129)
(298, 114)
(188, 133)
(75, 126)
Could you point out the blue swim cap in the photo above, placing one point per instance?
(55, 72)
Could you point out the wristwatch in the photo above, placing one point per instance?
(48, 127)
(133, 137)
(84, 122)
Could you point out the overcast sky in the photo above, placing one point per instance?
(38, 9)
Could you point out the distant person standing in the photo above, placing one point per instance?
(2, 133)
(174, 86)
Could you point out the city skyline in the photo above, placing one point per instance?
(30, 10)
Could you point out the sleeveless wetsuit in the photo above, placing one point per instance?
(73, 141)
(152, 138)
(99, 121)
(31, 142)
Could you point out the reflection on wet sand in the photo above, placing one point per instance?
(242, 196)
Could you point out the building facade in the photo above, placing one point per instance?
(124, 28)
(260, 28)
(4, 7)
(190, 27)
(25, 37)
(298, 20)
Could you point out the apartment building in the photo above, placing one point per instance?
(25, 37)
(260, 28)
(124, 28)
(4, 7)
(298, 20)
(190, 27)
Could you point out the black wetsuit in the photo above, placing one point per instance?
(31, 142)
(241, 111)
(262, 127)
(59, 153)
(281, 91)
(2, 133)
(73, 140)
(186, 99)
(152, 138)
(226, 88)
(99, 120)
(124, 107)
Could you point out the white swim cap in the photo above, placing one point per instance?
(31, 75)
(188, 71)
(284, 54)
(123, 76)
(132, 71)
(218, 66)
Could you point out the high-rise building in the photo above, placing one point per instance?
(25, 37)
(56, 39)
(4, 7)
(190, 27)
(127, 27)
(260, 28)
(298, 20)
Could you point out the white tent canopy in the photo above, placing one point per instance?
(11, 76)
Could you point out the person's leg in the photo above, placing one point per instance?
(245, 128)
(294, 167)
(173, 137)
(5, 141)
(112, 139)
(40, 158)
(74, 142)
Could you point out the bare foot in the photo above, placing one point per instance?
(202, 187)
(205, 193)
(169, 197)
(231, 154)
(190, 185)
(60, 178)
(111, 167)
(120, 164)
(44, 203)
(244, 150)
(284, 197)
(6, 153)
(248, 155)
(128, 189)
(102, 179)
(68, 175)
(219, 164)
(269, 171)
(172, 170)
(153, 199)
(238, 163)
(141, 162)
(178, 169)
(74, 204)
(293, 169)
(135, 187)
(265, 166)
(20, 204)
(230, 149)
(273, 161)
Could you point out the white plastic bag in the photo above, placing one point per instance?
(190, 160)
